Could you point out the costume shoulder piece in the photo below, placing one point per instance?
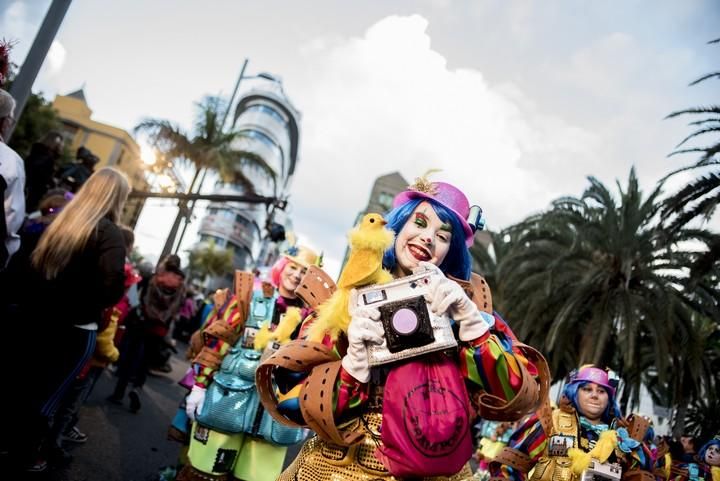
(478, 290)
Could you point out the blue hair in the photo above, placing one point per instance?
(457, 262)
(612, 410)
(703, 450)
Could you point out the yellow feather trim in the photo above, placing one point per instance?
(580, 460)
(334, 316)
(605, 446)
(668, 465)
(603, 449)
(288, 322)
(715, 470)
(262, 338)
(287, 325)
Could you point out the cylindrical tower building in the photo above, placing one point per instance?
(268, 127)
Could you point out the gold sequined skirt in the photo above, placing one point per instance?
(319, 460)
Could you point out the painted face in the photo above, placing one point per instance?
(424, 237)
(592, 401)
(290, 279)
(712, 455)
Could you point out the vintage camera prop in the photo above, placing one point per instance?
(601, 472)
(410, 328)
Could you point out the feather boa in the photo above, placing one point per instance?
(601, 452)
(282, 332)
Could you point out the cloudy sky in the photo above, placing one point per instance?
(516, 101)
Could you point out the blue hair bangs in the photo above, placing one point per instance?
(703, 450)
(457, 262)
(611, 411)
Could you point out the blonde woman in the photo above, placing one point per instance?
(77, 272)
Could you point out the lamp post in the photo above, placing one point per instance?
(187, 210)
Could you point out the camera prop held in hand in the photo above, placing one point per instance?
(410, 328)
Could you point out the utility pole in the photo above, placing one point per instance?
(189, 208)
(20, 89)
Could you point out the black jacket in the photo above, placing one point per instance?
(93, 280)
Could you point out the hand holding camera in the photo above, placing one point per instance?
(447, 297)
(364, 328)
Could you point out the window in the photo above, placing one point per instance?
(385, 200)
(268, 111)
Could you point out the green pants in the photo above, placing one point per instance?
(247, 458)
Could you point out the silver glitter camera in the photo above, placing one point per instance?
(598, 471)
(411, 329)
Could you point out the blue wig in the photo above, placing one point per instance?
(457, 262)
(714, 441)
(612, 410)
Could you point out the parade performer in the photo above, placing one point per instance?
(704, 467)
(389, 390)
(710, 456)
(232, 437)
(584, 435)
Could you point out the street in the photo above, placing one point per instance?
(123, 446)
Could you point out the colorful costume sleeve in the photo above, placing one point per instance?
(348, 396)
(491, 363)
(530, 439)
(229, 314)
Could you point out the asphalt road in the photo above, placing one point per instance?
(123, 446)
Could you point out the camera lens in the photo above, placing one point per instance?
(404, 321)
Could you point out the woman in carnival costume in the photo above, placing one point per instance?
(709, 454)
(704, 467)
(409, 418)
(258, 317)
(584, 435)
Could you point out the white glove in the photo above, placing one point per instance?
(447, 297)
(364, 328)
(194, 402)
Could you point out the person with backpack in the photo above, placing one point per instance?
(391, 394)
(232, 436)
(147, 325)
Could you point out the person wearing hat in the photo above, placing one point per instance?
(585, 435)
(705, 466)
(214, 454)
(709, 455)
(346, 401)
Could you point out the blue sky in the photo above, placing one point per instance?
(517, 101)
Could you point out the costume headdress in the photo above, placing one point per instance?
(449, 197)
(304, 256)
(601, 377)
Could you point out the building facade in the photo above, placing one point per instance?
(113, 146)
(268, 127)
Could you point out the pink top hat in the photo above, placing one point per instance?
(448, 195)
(595, 375)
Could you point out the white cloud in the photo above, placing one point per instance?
(387, 101)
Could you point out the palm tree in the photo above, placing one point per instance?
(699, 198)
(596, 279)
(487, 260)
(208, 147)
(208, 260)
